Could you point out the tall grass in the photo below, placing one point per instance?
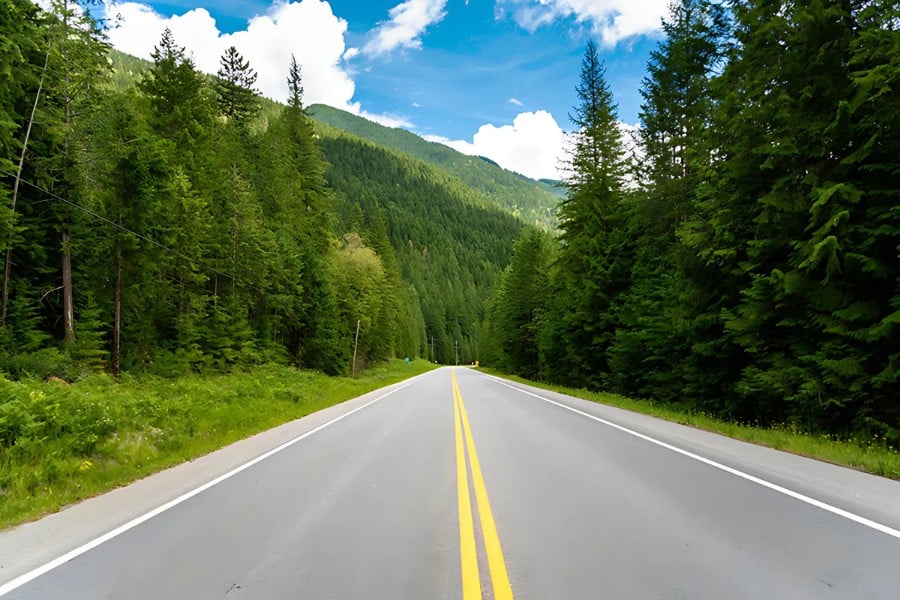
(61, 442)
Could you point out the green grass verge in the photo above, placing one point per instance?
(60, 443)
(872, 456)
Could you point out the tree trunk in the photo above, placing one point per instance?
(117, 317)
(68, 308)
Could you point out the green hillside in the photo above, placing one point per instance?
(449, 248)
(533, 201)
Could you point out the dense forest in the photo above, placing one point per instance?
(449, 249)
(748, 265)
(153, 218)
(532, 201)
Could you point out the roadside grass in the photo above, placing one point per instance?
(60, 443)
(873, 456)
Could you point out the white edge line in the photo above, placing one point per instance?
(37, 572)
(767, 484)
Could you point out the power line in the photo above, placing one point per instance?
(120, 227)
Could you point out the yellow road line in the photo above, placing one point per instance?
(496, 563)
(471, 583)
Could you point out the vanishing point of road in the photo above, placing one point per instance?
(455, 484)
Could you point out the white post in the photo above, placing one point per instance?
(355, 345)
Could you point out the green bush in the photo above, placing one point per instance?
(42, 364)
(30, 418)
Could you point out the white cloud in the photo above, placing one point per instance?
(388, 120)
(308, 29)
(408, 21)
(611, 20)
(515, 101)
(533, 145)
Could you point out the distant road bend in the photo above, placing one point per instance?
(460, 485)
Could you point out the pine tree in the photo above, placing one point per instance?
(305, 152)
(305, 203)
(874, 71)
(794, 218)
(388, 322)
(295, 85)
(235, 93)
(594, 256)
(19, 22)
(651, 355)
(75, 54)
(520, 304)
(177, 93)
(136, 176)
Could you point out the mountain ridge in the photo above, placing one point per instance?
(532, 201)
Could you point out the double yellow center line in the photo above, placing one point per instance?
(471, 582)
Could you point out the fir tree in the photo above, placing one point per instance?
(18, 76)
(594, 258)
(177, 93)
(235, 93)
(520, 304)
(651, 355)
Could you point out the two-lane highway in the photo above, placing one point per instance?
(459, 485)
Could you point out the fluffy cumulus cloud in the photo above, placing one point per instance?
(308, 29)
(533, 145)
(611, 20)
(404, 29)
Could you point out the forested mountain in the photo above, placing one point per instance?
(533, 201)
(450, 250)
(754, 271)
(165, 220)
(156, 218)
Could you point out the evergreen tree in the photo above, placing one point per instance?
(135, 178)
(304, 152)
(75, 58)
(520, 304)
(874, 72)
(236, 96)
(795, 220)
(389, 321)
(177, 93)
(295, 85)
(19, 22)
(651, 355)
(594, 255)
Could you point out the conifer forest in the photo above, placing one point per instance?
(738, 255)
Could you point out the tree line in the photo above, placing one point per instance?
(181, 223)
(746, 262)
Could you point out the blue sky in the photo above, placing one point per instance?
(492, 77)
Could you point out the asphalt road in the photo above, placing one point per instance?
(458, 485)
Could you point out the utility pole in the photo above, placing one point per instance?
(457, 350)
(355, 346)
